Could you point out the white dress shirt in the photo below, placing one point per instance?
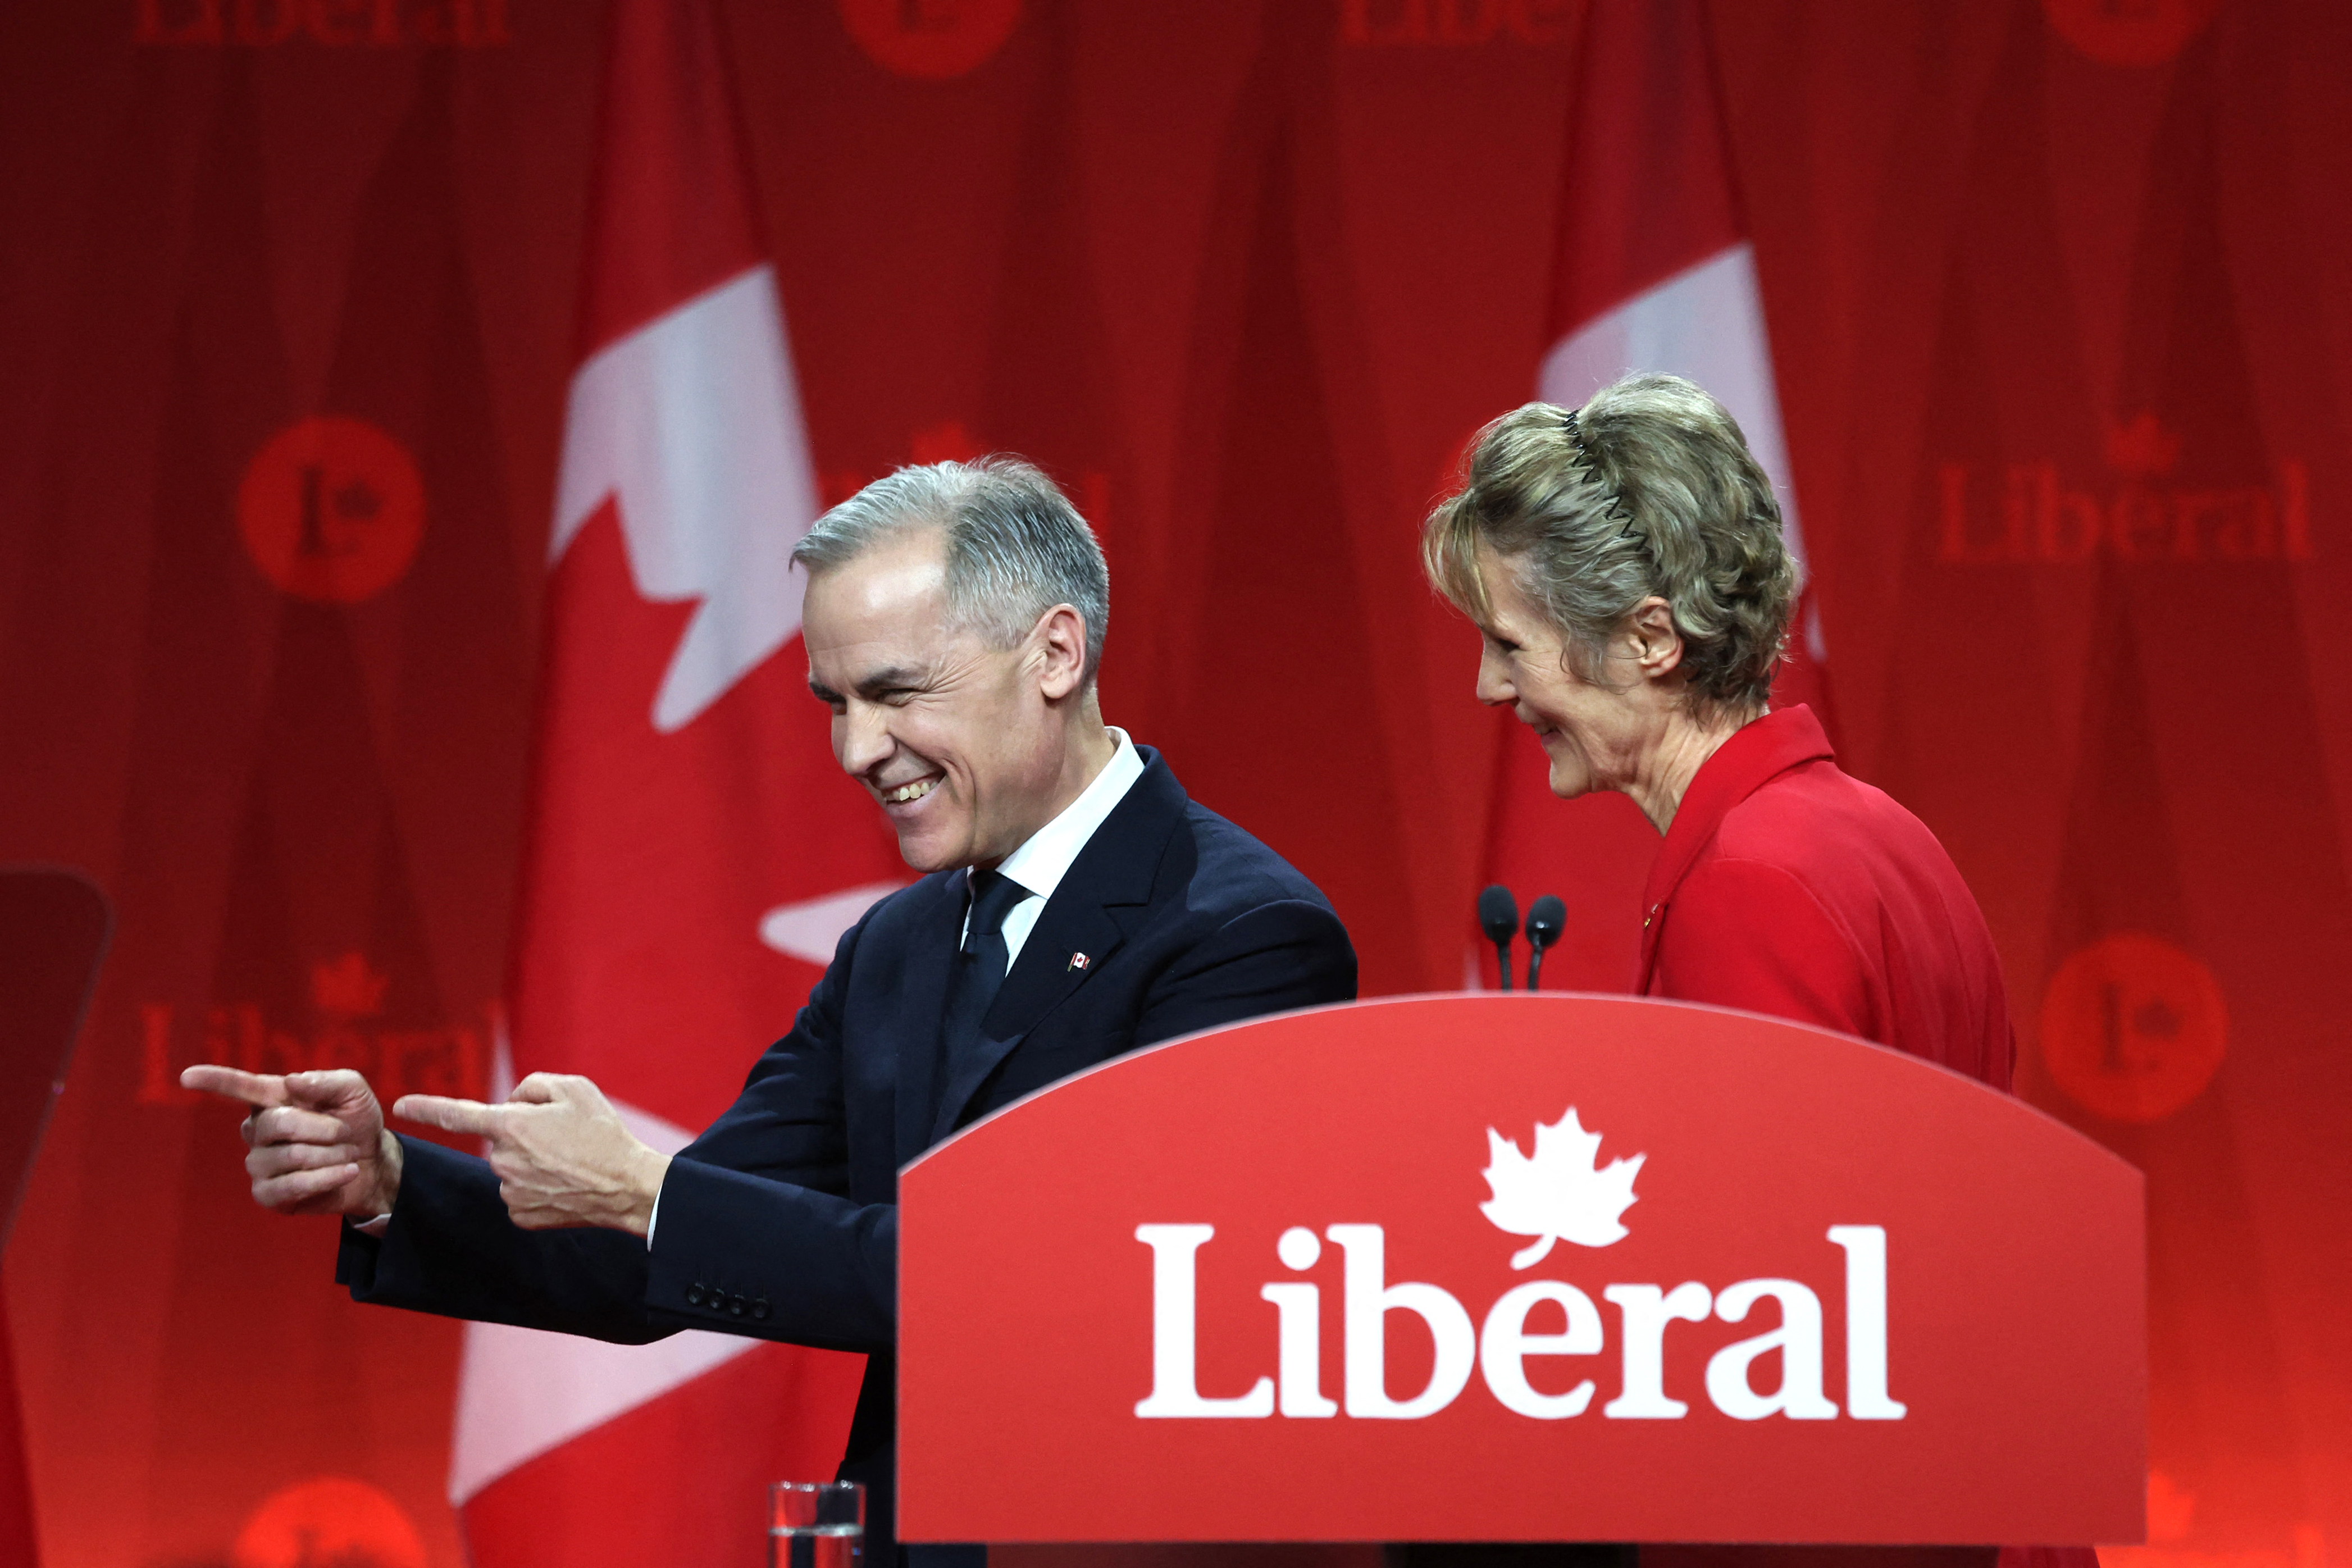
(1044, 857)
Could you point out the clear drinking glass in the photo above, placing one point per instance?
(816, 1524)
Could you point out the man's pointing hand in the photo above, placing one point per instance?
(561, 1153)
(315, 1141)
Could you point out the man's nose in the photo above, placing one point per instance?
(862, 738)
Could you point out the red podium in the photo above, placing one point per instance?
(1549, 1268)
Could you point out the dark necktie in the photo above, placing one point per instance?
(979, 971)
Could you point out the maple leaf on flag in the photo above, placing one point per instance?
(1560, 1193)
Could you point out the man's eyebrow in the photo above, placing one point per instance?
(897, 678)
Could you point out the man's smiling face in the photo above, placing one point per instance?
(950, 736)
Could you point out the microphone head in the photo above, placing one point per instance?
(1545, 918)
(1498, 913)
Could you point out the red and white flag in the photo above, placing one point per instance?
(692, 851)
(1653, 272)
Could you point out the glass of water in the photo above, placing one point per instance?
(816, 1524)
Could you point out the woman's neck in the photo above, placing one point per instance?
(1674, 759)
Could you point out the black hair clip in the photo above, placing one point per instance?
(1590, 473)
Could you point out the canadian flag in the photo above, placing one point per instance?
(1653, 272)
(692, 853)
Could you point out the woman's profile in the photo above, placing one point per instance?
(1625, 565)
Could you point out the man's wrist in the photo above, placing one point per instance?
(647, 1172)
(389, 1158)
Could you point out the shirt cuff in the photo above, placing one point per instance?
(653, 1218)
(374, 1227)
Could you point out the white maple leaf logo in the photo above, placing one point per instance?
(1560, 1194)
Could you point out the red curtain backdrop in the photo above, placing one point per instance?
(2058, 292)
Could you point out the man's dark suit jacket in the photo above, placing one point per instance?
(780, 1221)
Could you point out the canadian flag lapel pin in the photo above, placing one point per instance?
(1079, 960)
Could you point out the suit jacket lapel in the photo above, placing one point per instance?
(1115, 869)
(921, 1011)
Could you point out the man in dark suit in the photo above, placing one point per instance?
(1079, 906)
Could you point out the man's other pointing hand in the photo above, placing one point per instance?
(561, 1153)
(315, 1141)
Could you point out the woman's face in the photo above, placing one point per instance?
(1593, 735)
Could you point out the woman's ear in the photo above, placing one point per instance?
(1656, 646)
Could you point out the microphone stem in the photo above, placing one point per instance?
(1503, 963)
(1535, 967)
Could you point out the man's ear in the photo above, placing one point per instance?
(1058, 651)
(1656, 647)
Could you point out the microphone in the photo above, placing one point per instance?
(1546, 917)
(1498, 916)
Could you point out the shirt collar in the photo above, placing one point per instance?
(1756, 752)
(1044, 857)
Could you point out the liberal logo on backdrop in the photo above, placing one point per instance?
(331, 509)
(333, 24)
(932, 39)
(2036, 512)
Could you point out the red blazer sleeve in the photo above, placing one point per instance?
(1748, 934)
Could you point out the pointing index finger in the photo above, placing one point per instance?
(447, 1114)
(259, 1090)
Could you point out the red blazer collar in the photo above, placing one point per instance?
(1756, 752)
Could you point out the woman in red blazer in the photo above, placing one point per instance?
(1624, 564)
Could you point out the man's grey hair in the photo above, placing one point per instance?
(1015, 545)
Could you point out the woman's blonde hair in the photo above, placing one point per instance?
(1648, 489)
